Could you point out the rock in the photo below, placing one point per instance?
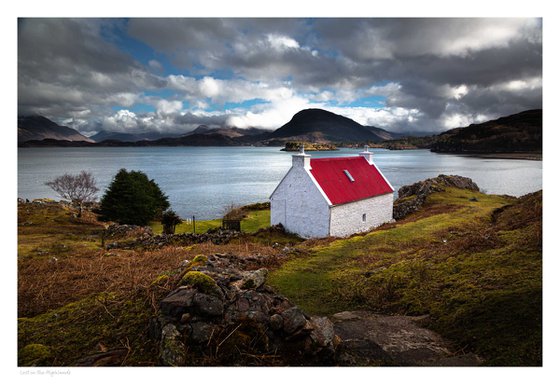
(184, 263)
(239, 320)
(412, 197)
(294, 319)
(172, 350)
(322, 332)
(177, 302)
(253, 279)
(373, 339)
(208, 305)
(185, 318)
(201, 332)
(276, 322)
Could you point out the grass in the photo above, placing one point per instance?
(476, 274)
(86, 327)
(76, 299)
(52, 230)
(254, 220)
(473, 265)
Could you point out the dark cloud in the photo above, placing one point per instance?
(441, 71)
(191, 120)
(66, 67)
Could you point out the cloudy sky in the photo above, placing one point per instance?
(171, 75)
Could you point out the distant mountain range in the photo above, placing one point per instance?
(38, 127)
(127, 137)
(311, 125)
(516, 133)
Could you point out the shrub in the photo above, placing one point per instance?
(132, 199)
(169, 220)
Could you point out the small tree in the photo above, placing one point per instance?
(132, 199)
(78, 189)
(169, 219)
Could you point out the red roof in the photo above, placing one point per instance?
(331, 175)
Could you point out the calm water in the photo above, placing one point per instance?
(204, 181)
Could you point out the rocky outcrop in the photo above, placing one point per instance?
(221, 314)
(412, 197)
(375, 339)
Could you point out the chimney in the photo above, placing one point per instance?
(368, 155)
(301, 159)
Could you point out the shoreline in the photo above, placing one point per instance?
(498, 155)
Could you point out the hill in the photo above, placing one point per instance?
(36, 127)
(516, 133)
(467, 263)
(127, 137)
(317, 125)
(231, 132)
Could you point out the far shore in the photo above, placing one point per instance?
(503, 155)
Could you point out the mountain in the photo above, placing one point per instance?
(520, 132)
(230, 132)
(316, 125)
(127, 137)
(36, 127)
(311, 125)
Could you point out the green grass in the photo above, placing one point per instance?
(255, 220)
(83, 327)
(479, 281)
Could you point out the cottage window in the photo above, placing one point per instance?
(363, 217)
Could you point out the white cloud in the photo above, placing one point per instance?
(121, 121)
(519, 85)
(390, 118)
(458, 119)
(280, 43)
(209, 87)
(272, 115)
(169, 106)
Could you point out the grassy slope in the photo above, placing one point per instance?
(480, 281)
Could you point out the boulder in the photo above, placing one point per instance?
(208, 305)
(172, 350)
(293, 320)
(177, 302)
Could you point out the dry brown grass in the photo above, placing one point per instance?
(45, 284)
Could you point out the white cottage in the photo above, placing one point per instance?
(332, 196)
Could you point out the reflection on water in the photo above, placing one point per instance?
(204, 181)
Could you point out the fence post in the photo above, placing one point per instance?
(193, 225)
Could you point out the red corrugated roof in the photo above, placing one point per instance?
(368, 181)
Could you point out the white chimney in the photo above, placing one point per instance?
(368, 155)
(301, 159)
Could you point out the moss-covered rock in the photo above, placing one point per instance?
(34, 355)
(200, 260)
(200, 281)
